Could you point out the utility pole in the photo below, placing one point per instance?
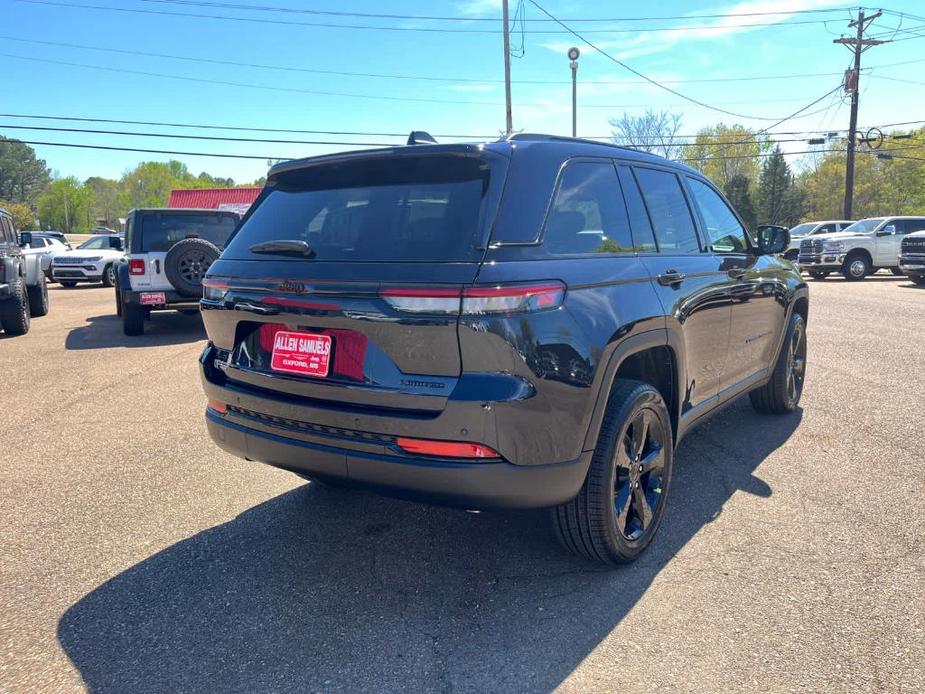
(853, 82)
(509, 121)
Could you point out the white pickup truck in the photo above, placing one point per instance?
(860, 249)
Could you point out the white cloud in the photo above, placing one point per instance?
(647, 43)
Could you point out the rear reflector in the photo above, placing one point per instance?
(506, 298)
(136, 266)
(218, 406)
(446, 449)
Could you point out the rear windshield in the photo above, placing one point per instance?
(410, 208)
(161, 231)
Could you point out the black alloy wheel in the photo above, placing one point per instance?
(639, 466)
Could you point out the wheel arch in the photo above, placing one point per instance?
(652, 357)
(862, 252)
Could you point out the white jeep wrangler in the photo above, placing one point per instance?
(860, 249)
(168, 252)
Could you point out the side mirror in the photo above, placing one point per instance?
(25, 239)
(888, 230)
(116, 244)
(772, 239)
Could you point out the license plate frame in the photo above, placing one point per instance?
(301, 353)
(152, 298)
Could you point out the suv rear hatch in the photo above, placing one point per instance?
(345, 281)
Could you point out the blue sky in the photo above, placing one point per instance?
(467, 95)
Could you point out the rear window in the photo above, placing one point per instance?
(410, 208)
(161, 231)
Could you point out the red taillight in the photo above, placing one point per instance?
(446, 449)
(505, 298)
(136, 266)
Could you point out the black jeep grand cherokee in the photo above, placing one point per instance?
(534, 322)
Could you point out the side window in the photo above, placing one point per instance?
(668, 210)
(6, 231)
(37, 242)
(588, 214)
(128, 231)
(913, 225)
(724, 232)
(643, 238)
(826, 229)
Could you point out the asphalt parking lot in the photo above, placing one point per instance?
(137, 557)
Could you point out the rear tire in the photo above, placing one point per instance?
(782, 393)
(818, 274)
(897, 272)
(623, 499)
(920, 280)
(14, 311)
(38, 298)
(133, 320)
(856, 267)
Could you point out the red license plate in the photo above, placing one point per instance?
(305, 354)
(153, 298)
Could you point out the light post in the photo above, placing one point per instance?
(573, 54)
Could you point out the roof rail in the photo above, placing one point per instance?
(539, 137)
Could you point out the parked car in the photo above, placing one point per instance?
(806, 229)
(59, 235)
(23, 292)
(861, 249)
(169, 251)
(534, 322)
(912, 257)
(45, 247)
(92, 261)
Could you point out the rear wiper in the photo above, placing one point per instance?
(284, 247)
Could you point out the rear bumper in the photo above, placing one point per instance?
(173, 300)
(479, 485)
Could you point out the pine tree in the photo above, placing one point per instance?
(779, 200)
(737, 192)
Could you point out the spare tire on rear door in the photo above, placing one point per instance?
(186, 264)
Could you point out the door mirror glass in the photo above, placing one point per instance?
(25, 239)
(772, 239)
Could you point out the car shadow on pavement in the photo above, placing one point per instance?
(320, 589)
(168, 328)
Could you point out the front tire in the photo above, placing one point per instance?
(38, 298)
(782, 393)
(621, 504)
(14, 311)
(897, 272)
(67, 283)
(133, 320)
(818, 274)
(856, 267)
(109, 276)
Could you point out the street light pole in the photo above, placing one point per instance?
(573, 54)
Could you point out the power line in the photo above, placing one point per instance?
(425, 78)
(652, 81)
(239, 128)
(265, 8)
(440, 30)
(150, 151)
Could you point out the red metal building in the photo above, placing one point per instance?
(237, 199)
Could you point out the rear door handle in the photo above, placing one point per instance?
(670, 278)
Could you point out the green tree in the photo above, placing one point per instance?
(738, 193)
(22, 175)
(23, 218)
(779, 200)
(149, 184)
(110, 202)
(725, 151)
(65, 205)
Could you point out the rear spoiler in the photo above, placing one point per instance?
(419, 137)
